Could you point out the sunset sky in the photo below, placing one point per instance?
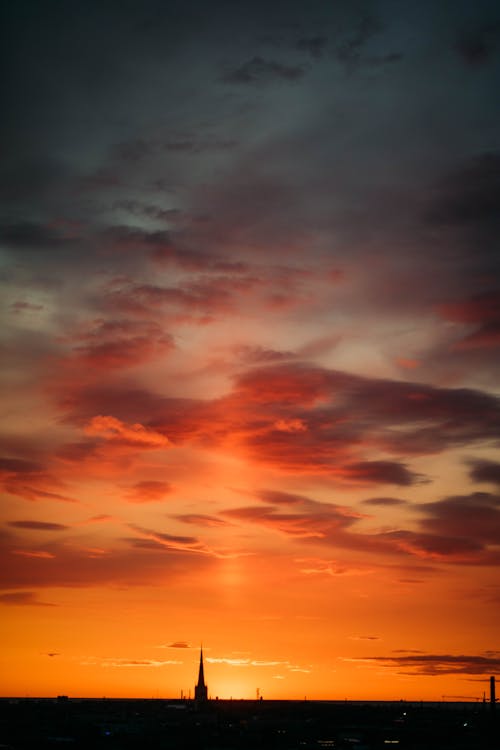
(250, 348)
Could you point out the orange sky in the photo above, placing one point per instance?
(250, 352)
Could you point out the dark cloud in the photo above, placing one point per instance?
(31, 481)
(148, 490)
(257, 70)
(68, 565)
(280, 498)
(485, 471)
(77, 451)
(366, 637)
(460, 531)
(27, 176)
(27, 235)
(80, 402)
(199, 519)
(440, 664)
(21, 306)
(482, 314)
(350, 48)
(470, 194)
(444, 547)
(315, 521)
(380, 472)
(482, 308)
(337, 409)
(107, 344)
(474, 518)
(186, 143)
(138, 208)
(384, 501)
(38, 525)
(304, 419)
(255, 355)
(179, 644)
(476, 46)
(132, 239)
(142, 298)
(389, 59)
(187, 544)
(133, 150)
(185, 541)
(313, 45)
(193, 146)
(23, 599)
(19, 465)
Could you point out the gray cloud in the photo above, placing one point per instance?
(38, 525)
(384, 501)
(23, 599)
(485, 471)
(440, 664)
(477, 45)
(260, 71)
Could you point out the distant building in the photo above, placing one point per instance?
(201, 690)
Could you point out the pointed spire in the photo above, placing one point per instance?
(201, 674)
(201, 691)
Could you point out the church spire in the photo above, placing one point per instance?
(201, 691)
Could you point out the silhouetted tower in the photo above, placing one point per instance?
(201, 691)
(492, 693)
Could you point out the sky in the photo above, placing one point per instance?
(250, 348)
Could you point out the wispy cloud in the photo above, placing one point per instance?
(23, 599)
(258, 70)
(438, 664)
(119, 663)
(38, 525)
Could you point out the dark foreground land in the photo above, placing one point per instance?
(251, 725)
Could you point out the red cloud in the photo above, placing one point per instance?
(148, 491)
(74, 566)
(199, 519)
(111, 428)
(482, 308)
(312, 520)
(468, 517)
(298, 418)
(485, 471)
(207, 295)
(439, 664)
(155, 539)
(445, 547)
(25, 599)
(38, 525)
(119, 343)
(483, 311)
(443, 535)
(298, 384)
(379, 472)
(30, 480)
(162, 247)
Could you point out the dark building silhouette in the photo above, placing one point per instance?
(200, 690)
